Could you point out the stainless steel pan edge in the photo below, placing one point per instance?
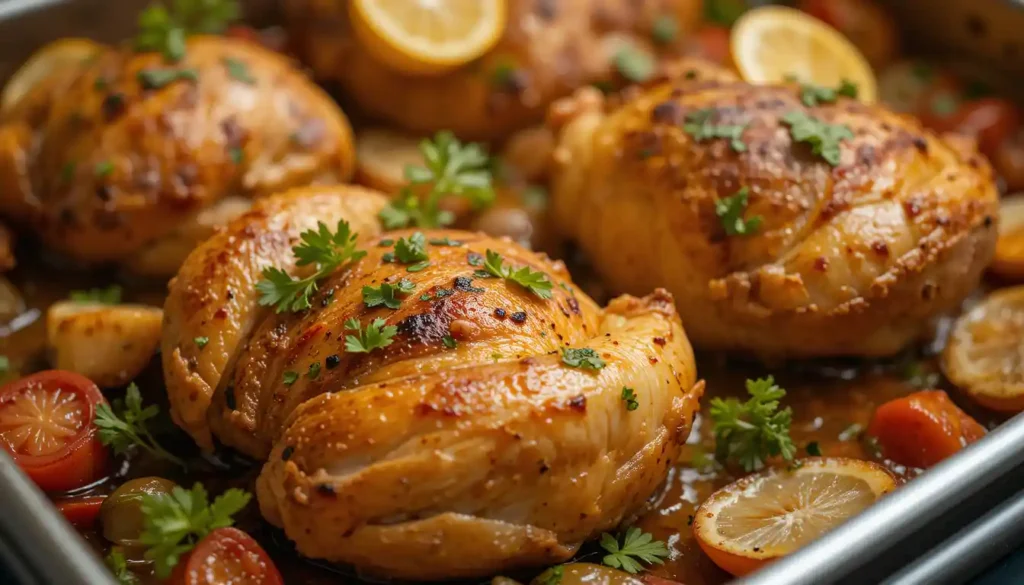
(39, 547)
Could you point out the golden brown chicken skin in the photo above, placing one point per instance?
(466, 446)
(132, 160)
(549, 48)
(852, 259)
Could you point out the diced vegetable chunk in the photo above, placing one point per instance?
(923, 428)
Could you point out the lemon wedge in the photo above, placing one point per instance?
(772, 43)
(427, 37)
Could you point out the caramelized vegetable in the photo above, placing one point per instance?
(110, 345)
(770, 514)
(227, 555)
(922, 429)
(584, 574)
(1009, 259)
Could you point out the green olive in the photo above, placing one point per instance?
(585, 574)
(121, 514)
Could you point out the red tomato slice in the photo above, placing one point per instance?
(81, 512)
(227, 556)
(46, 425)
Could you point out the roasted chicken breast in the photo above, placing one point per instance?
(550, 48)
(851, 259)
(470, 443)
(129, 159)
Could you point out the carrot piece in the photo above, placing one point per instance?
(923, 428)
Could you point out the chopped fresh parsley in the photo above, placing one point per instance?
(165, 30)
(823, 138)
(110, 295)
(665, 29)
(412, 249)
(238, 70)
(750, 432)
(452, 169)
(387, 294)
(375, 336)
(201, 341)
(445, 241)
(5, 365)
(314, 371)
(629, 397)
(552, 576)
(583, 358)
(123, 424)
(534, 281)
(325, 250)
(103, 168)
(290, 378)
(174, 523)
(634, 64)
(812, 95)
(730, 212)
(636, 549)
(158, 78)
(118, 565)
(699, 125)
(236, 154)
(449, 342)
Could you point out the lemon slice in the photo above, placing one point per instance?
(53, 57)
(772, 43)
(427, 37)
(1009, 258)
(985, 354)
(773, 513)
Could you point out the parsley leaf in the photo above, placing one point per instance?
(812, 95)
(321, 248)
(453, 170)
(165, 30)
(730, 212)
(238, 70)
(387, 294)
(665, 29)
(583, 358)
(110, 295)
(552, 576)
(634, 64)
(289, 378)
(117, 564)
(201, 341)
(535, 282)
(750, 432)
(375, 336)
(449, 342)
(174, 523)
(411, 249)
(629, 397)
(159, 78)
(824, 138)
(637, 547)
(698, 124)
(124, 424)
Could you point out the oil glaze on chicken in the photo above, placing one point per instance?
(469, 430)
(851, 259)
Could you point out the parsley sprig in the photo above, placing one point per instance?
(824, 138)
(118, 565)
(812, 95)
(375, 336)
(534, 281)
(110, 295)
(583, 358)
(451, 169)
(175, 522)
(629, 397)
(636, 549)
(700, 126)
(730, 212)
(750, 432)
(165, 30)
(325, 250)
(125, 423)
(387, 294)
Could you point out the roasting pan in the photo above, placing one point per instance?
(944, 527)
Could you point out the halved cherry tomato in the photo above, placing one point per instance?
(81, 512)
(227, 556)
(923, 428)
(46, 425)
